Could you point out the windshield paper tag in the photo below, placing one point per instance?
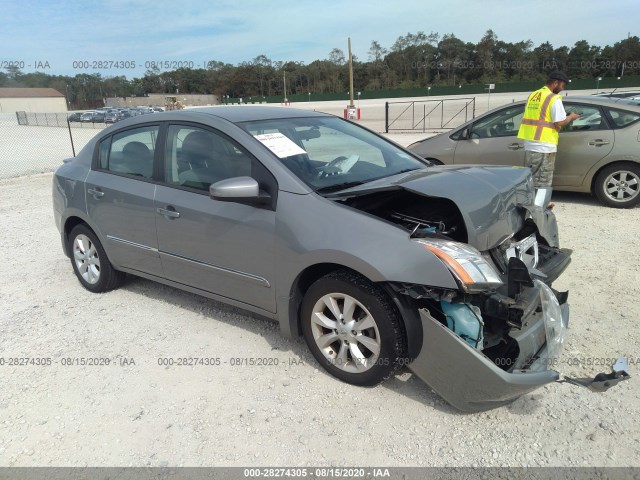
(279, 144)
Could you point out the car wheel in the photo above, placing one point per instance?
(618, 185)
(90, 262)
(353, 329)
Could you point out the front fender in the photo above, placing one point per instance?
(546, 222)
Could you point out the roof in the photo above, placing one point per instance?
(245, 113)
(29, 92)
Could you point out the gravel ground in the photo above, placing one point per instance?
(135, 412)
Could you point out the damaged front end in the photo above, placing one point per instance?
(498, 335)
(484, 349)
(481, 350)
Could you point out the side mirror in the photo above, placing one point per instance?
(240, 190)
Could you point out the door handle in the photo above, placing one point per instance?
(96, 193)
(168, 213)
(515, 146)
(598, 142)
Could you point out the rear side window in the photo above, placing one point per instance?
(591, 118)
(623, 118)
(130, 152)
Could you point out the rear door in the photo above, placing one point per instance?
(493, 140)
(582, 144)
(119, 190)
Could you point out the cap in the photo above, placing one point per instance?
(558, 75)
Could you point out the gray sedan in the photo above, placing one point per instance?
(376, 258)
(598, 153)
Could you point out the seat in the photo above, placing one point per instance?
(207, 158)
(137, 159)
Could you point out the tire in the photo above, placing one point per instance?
(618, 185)
(90, 262)
(363, 347)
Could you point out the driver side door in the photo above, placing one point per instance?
(493, 140)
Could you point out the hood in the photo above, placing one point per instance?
(488, 197)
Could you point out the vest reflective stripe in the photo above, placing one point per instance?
(543, 115)
(538, 125)
(526, 121)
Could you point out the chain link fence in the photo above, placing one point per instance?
(39, 142)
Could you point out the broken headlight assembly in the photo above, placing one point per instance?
(466, 264)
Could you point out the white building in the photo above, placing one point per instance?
(40, 100)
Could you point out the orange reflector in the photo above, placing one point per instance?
(451, 263)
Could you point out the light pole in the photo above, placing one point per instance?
(359, 93)
(428, 91)
(598, 83)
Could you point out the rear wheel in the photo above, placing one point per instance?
(90, 262)
(618, 185)
(352, 329)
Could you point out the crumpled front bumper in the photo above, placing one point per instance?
(469, 380)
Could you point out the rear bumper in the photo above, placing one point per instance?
(470, 381)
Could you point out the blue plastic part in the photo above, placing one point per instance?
(464, 322)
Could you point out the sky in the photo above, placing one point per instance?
(124, 37)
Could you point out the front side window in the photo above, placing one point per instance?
(130, 152)
(504, 123)
(329, 153)
(196, 158)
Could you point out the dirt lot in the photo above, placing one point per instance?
(136, 412)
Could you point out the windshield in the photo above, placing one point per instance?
(330, 154)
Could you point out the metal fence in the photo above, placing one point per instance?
(39, 142)
(53, 120)
(423, 115)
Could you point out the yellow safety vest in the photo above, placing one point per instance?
(536, 123)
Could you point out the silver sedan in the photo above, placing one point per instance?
(598, 153)
(377, 259)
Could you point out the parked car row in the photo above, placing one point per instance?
(111, 115)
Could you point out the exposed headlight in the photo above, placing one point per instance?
(554, 326)
(465, 262)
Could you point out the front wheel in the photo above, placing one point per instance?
(352, 329)
(90, 262)
(618, 185)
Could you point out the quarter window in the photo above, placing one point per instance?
(623, 118)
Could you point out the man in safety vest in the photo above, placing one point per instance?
(543, 117)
